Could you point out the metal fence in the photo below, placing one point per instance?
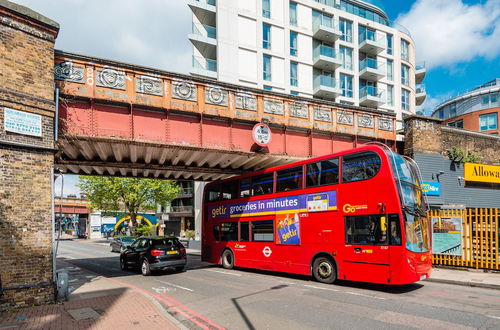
(479, 238)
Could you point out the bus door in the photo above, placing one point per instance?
(366, 255)
(261, 250)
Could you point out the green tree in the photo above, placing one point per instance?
(131, 195)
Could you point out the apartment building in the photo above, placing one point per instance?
(345, 51)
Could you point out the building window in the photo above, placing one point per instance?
(266, 8)
(453, 110)
(389, 44)
(266, 67)
(490, 100)
(405, 75)
(488, 122)
(294, 74)
(293, 43)
(346, 29)
(294, 93)
(266, 36)
(390, 70)
(366, 33)
(405, 99)
(346, 85)
(293, 13)
(441, 114)
(457, 124)
(346, 57)
(390, 95)
(405, 45)
(267, 88)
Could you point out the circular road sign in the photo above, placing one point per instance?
(261, 134)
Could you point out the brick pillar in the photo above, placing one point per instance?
(27, 107)
(423, 135)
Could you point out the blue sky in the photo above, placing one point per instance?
(458, 39)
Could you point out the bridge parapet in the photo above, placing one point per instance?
(100, 80)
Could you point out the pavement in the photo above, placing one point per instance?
(97, 302)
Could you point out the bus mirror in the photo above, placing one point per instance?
(383, 224)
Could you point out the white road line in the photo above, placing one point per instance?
(218, 271)
(493, 317)
(348, 292)
(175, 286)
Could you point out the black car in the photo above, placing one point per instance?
(154, 253)
(118, 244)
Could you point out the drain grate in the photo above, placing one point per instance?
(85, 313)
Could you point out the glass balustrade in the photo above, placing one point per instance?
(370, 91)
(204, 63)
(204, 30)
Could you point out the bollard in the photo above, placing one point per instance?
(62, 285)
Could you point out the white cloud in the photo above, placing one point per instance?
(431, 102)
(447, 32)
(152, 33)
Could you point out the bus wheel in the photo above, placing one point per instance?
(227, 259)
(324, 270)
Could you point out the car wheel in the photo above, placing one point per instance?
(145, 269)
(123, 264)
(179, 269)
(227, 259)
(324, 270)
(111, 248)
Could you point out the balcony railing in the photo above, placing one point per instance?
(322, 21)
(181, 209)
(209, 2)
(420, 66)
(371, 36)
(420, 89)
(186, 191)
(326, 81)
(370, 63)
(370, 91)
(204, 63)
(204, 30)
(323, 50)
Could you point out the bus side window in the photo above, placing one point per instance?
(263, 231)
(262, 184)
(244, 231)
(229, 231)
(323, 173)
(245, 187)
(360, 166)
(213, 193)
(394, 230)
(230, 190)
(289, 179)
(365, 230)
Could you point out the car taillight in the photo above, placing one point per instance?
(155, 252)
(182, 250)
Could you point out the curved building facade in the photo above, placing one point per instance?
(477, 110)
(345, 51)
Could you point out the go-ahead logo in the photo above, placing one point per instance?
(348, 208)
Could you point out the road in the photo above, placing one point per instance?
(207, 296)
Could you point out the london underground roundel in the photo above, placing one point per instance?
(261, 134)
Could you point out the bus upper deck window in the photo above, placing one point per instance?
(213, 193)
(230, 190)
(262, 184)
(358, 167)
(323, 173)
(245, 187)
(289, 179)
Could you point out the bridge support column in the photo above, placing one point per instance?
(27, 111)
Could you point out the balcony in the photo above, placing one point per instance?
(203, 37)
(326, 58)
(420, 72)
(205, 10)
(371, 97)
(204, 67)
(326, 29)
(420, 94)
(326, 87)
(371, 69)
(371, 43)
(178, 211)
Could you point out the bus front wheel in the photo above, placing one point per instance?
(324, 270)
(227, 259)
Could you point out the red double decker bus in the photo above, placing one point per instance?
(357, 215)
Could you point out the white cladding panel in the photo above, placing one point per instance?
(247, 71)
(305, 76)
(278, 71)
(304, 48)
(246, 32)
(304, 17)
(277, 40)
(247, 6)
(277, 10)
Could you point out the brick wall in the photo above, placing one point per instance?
(26, 84)
(426, 135)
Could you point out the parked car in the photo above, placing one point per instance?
(118, 244)
(154, 253)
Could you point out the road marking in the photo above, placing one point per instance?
(493, 317)
(175, 286)
(218, 271)
(161, 289)
(348, 292)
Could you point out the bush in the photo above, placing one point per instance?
(190, 234)
(145, 230)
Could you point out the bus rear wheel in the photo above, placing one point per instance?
(227, 259)
(324, 270)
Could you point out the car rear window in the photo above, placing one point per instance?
(128, 239)
(166, 242)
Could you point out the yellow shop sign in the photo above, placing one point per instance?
(482, 173)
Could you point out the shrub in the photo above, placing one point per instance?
(190, 234)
